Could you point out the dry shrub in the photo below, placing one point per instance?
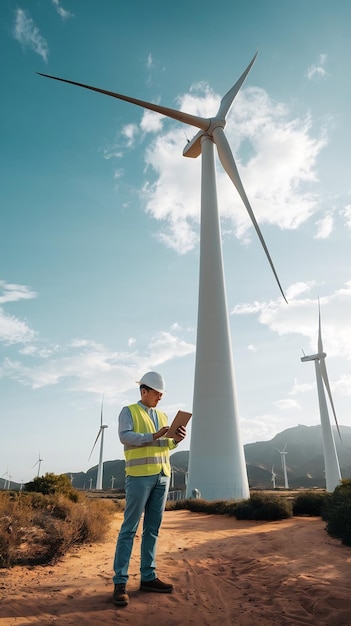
(37, 529)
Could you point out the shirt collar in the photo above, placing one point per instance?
(146, 408)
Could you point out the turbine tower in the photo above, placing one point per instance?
(217, 465)
(283, 454)
(331, 462)
(101, 463)
(38, 463)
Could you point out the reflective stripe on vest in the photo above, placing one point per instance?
(152, 458)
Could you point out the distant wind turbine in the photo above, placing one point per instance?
(331, 462)
(274, 476)
(38, 463)
(216, 461)
(101, 463)
(283, 453)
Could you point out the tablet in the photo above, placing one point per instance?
(181, 419)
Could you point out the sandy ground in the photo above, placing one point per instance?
(225, 572)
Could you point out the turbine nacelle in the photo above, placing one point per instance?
(193, 147)
(212, 128)
(320, 356)
(313, 357)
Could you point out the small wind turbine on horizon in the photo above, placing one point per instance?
(101, 463)
(217, 465)
(283, 454)
(274, 476)
(331, 461)
(38, 463)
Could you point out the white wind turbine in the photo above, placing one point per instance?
(101, 463)
(216, 461)
(38, 463)
(274, 476)
(331, 462)
(283, 454)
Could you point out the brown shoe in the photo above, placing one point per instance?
(120, 597)
(156, 585)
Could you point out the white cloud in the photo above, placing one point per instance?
(119, 173)
(10, 292)
(301, 316)
(149, 62)
(301, 388)
(297, 289)
(13, 330)
(317, 70)
(61, 11)
(89, 366)
(264, 138)
(324, 227)
(347, 215)
(129, 132)
(262, 427)
(151, 122)
(27, 33)
(287, 404)
(343, 386)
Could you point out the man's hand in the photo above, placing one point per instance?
(160, 433)
(180, 434)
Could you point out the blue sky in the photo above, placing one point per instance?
(100, 214)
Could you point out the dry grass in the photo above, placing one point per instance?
(37, 528)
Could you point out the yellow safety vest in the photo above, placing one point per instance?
(153, 457)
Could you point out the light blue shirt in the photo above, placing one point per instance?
(126, 431)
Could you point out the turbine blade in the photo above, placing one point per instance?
(102, 405)
(227, 160)
(320, 342)
(227, 100)
(92, 450)
(180, 116)
(323, 371)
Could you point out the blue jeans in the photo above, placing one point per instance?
(146, 494)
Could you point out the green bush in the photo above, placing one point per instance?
(310, 503)
(263, 507)
(53, 484)
(258, 507)
(337, 513)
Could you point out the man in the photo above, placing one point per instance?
(143, 431)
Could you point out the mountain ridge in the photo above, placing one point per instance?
(304, 461)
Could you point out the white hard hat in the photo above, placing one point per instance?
(153, 380)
